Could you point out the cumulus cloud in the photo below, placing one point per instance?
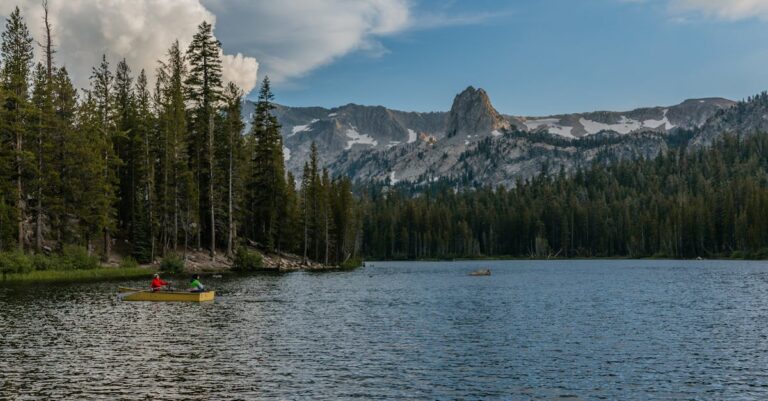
(289, 38)
(724, 9)
(241, 70)
(293, 37)
(141, 31)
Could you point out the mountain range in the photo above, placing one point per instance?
(474, 144)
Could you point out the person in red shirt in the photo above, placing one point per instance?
(158, 283)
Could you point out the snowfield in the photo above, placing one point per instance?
(355, 138)
(412, 136)
(302, 128)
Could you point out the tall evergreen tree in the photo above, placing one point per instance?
(125, 145)
(102, 102)
(267, 182)
(176, 190)
(142, 143)
(17, 54)
(231, 155)
(204, 86)
(61, 189)
(40, 124)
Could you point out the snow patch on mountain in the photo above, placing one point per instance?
(302, 128)
(392, 178)
(496, 132)
(664, 122)
(552, 125)
(412, 136)
(286, 154)
(625, 126)
(356, 138)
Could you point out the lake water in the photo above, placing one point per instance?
(568, 330)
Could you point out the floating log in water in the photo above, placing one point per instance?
(481, 272)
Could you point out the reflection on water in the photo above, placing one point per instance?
(567, 330)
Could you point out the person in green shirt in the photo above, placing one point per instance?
(195, 285)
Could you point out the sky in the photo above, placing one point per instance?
(533, 57)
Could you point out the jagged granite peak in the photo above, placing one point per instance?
(472, 113)
(474, 139)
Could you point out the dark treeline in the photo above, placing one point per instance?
(163, 167)
(683, 204)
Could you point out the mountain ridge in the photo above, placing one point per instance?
(374, 143)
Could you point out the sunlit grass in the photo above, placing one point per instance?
(76, 275)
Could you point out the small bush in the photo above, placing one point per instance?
(246, 260)
(42, 262)
(76, 258)
(761, 254)
(15, 262)
(739, 255)
(172, 263)
(129, 263)
(352, 264)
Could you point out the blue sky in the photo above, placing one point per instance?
(548, 56)
(534, 57)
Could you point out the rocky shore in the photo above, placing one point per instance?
(200, 261)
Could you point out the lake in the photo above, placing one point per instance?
(567, 330)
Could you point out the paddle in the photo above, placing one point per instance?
(123, 295)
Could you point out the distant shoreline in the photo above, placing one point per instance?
(502, 259)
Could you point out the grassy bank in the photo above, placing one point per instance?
(75, 275)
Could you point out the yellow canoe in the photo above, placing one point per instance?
(134, 294)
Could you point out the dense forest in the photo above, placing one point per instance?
(706, 203)
(163, 167)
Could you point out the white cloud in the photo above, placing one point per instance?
(139, 30)
(723, 9)
(289, 38)
(293, 37)
(241, 70)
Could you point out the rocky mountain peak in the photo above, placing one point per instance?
(472, 113)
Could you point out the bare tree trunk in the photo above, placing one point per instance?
(49, 72)
(327, 241)
(20, 195)
(107, 239)
(306, 225)
(48, 42)
(231, 223)
(148, 168)
(39, 211)
(210, 184)
(176, 223)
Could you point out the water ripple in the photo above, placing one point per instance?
(583, 330)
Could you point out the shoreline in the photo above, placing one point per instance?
(103, 273)
(513, 259)
(196, 263)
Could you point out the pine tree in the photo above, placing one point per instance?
(142, 222)
(40, 122)
(231, 156)
(101, 102)
(91, 181)
(267, 182)
(204, 87)
(310, 205)
(125, 145)
(60, 187)
(176, 192)
(17, 54)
